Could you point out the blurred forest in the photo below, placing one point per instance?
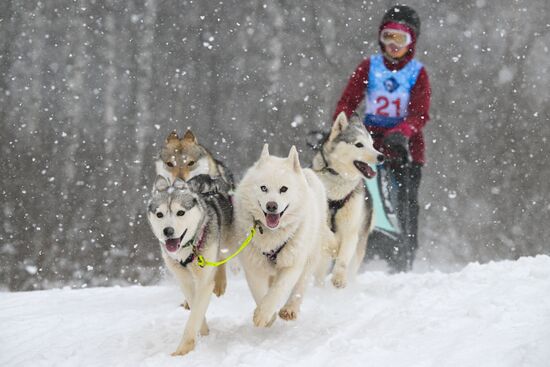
(89, 90)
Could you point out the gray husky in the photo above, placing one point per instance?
(342, 164)
(189, 220)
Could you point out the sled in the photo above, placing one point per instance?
(384, 198)
(388, 239)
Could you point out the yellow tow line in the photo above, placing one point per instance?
(203, 262)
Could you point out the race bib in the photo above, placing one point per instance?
(388, 92)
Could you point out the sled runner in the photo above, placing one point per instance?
(388, 240)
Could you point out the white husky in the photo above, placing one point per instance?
(342, 164)
(289, 206)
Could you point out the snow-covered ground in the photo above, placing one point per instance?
(496, 314)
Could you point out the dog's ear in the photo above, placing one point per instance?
(189, 137)
(355, 119)
(173, 136)
(294, 159)
(265, 152)
(338, 126)
(179, 184)
(161, 183)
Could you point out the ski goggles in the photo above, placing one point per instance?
(395, 36)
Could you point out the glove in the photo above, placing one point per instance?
(396, 146)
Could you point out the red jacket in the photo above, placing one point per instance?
(417, 112)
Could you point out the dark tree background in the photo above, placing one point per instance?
(89, 89)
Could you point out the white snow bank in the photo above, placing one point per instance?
(496, 314)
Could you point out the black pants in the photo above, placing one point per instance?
(408, 181)
(400, 251)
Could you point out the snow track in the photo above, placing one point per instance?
(496, 314)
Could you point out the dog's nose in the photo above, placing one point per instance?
(168, 231)
(271, 206)
(380, 158)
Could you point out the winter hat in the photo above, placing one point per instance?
(402, 14)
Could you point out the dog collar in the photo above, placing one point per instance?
(202, 236)
(188, 243)
(326, 168)
(196, 248)
(332, 171)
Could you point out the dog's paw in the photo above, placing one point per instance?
(219, 287)
(185, 305)
(288, 313)
(339, 280)
(263, 319)
(185, 347)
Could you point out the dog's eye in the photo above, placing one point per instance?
(180, 213)
(170, 164)
(283, 189)
(191, 163)
(263, 188)
(160, 215)
(359, 145)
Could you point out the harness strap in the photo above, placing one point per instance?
(335, 205)
(272, 255)
(187, 261)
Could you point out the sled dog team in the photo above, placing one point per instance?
(287, 223)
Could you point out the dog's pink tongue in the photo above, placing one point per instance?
(172, 244)
(365, 169)
(370, 172)
(272, 220)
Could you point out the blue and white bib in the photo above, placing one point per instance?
(388, 92)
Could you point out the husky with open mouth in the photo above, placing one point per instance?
(288, 206)
(342, 164)
(187, 224)
(185, 158)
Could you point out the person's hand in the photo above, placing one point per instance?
(396, 147)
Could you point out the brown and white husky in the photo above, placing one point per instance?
(185, 158)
